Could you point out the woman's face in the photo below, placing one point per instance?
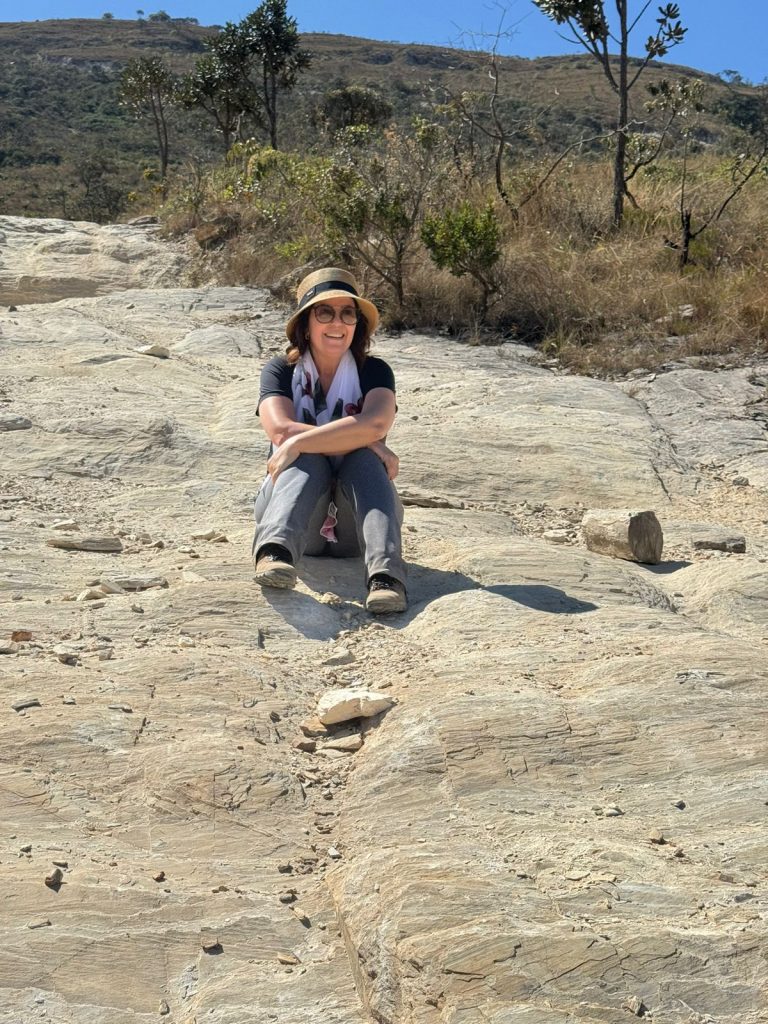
(329, 341)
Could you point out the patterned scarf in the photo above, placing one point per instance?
(313, 406)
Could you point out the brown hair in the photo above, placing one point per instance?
(361, 340)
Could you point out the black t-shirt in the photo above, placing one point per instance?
(277, 375)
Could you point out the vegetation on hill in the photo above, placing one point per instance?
(474, 194)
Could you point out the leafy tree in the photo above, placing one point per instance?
(99, 201)
(590, 28)
(107, 16)
(248, 65)
(146, 87)
(275, 60)
(353, 105)
(159, 16)
(465, 240)
(215, 85)
(373, 195)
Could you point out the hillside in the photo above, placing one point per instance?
(59, 106)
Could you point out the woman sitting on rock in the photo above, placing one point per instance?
(327, 407)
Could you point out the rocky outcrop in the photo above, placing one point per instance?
(560, 817)
(42, 260)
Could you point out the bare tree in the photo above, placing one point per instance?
(590, 28)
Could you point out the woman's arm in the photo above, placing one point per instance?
(335, 438)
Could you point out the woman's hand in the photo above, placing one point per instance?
(283, 457)
(388, 457)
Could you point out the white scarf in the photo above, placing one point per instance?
(345, 398)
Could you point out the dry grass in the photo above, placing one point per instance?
(602, 302)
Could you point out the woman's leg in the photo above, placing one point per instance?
(288, 512)
(378, 512)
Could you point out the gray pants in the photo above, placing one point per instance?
(370, 514)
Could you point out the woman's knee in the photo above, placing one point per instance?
(361, 461)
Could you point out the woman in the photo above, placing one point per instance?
(327, 407)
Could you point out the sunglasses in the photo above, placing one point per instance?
(327, 314)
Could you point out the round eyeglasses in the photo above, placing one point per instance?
(327, 314)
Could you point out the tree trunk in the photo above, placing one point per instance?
(622, 533)
(685, 238)
(619, 180)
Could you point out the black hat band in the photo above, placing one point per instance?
(325, 286)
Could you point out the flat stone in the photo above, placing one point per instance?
(719, 539)
(24, 703)
(158, 351)
(106, 544)
(344, 705)
(348, 744)
(12, 421)
(340, 656)
(65, 525)
(134, 583)
(288, 959)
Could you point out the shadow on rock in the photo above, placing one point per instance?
(542, 598)
(308, 616)
(666, 568)
(317, 620)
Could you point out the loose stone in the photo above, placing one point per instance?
(299, 914)
(25, 703)
(54, 879)
(158, 351)
(12, 421)
(307, 746)
(65, 525)
(344, 705)
(288, 959)
(106, 544)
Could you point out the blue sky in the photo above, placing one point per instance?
(715, 42)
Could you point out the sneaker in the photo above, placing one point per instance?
(274, 567)
(385, 595)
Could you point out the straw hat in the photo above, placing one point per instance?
(330, 283)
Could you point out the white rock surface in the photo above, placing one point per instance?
(42, 260)
(486, 856)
